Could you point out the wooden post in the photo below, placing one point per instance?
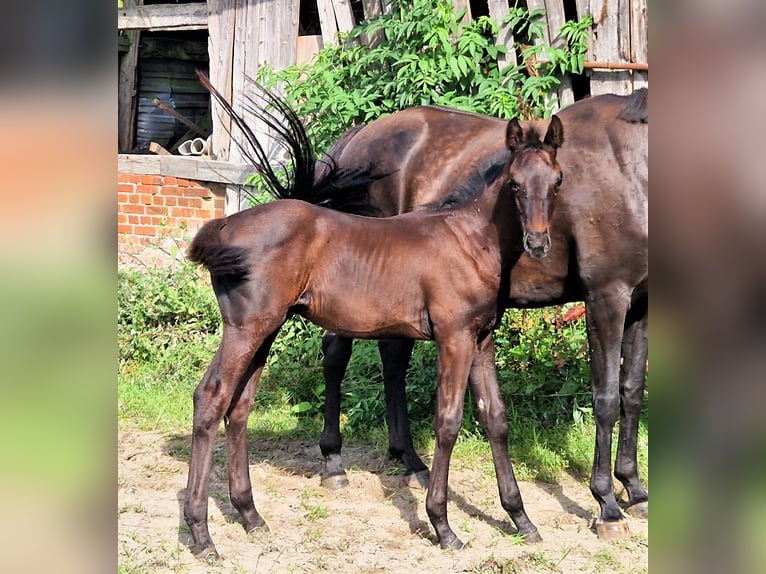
(610, 42)
(566, 85)
(556, 19)
(373, 8)
(221, 14)
(334, 16)
(498, 9)
(458, 4)
(126, 90)
(639, 42)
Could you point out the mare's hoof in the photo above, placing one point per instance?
(454, 544)
(639, 510)
(334, 481)
(418, 479)
(612, 530)
(207, 555)
(260, 526)
(532, 538)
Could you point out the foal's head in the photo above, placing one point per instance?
(534, 177)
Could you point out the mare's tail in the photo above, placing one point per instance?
(220, 259)
(298, 177)
(636, 108)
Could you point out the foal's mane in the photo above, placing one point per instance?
(298, 177)
(484, 173)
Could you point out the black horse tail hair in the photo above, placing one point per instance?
(635, 110)
(220, 259)
(340, 189)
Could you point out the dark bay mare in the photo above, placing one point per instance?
(451, 267)
(595, 244)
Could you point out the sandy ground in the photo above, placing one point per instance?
(377, 524)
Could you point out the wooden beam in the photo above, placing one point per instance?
(498, 9)
(163, 17)
(126, 89)
(187, 167)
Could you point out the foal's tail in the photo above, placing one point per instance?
(220, 259)
(635, 110)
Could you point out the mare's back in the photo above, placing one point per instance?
(424, 152)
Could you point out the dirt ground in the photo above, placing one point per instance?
(377, 524)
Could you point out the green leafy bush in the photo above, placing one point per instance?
(425, 55)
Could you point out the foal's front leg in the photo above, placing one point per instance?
(453, 362)
(605, 313)
(492, 415)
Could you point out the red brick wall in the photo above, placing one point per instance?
(157, 215)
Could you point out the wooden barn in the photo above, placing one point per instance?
(163, 193)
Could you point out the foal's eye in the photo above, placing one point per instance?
(559, 179)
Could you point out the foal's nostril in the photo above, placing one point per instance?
(537, 244)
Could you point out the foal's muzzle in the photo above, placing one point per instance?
(537, 244)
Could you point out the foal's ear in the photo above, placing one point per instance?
(514, 135)
(555, 134)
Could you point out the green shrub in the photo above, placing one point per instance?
(426, 56)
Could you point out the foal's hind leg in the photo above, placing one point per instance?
(395, 356)
(240, 488)
(337, 353)
(227, 375)
(632, 383)
(492, 415)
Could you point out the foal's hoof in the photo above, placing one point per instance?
(532, 537)
(612, 530)
(639, 510)
(334, 481)
(418, 479)
(207, 555)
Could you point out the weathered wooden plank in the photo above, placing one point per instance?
(498, 9)
(163, 17)
(458, 4)
(306, 47)
(545, 40)
(556, 19)
(327, 21)
(639, 41)
(221, 15)
(188, 167)
(344, 15)
(372, 9)
(126, 88)
(611, 25)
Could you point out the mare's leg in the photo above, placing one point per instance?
(492, 415)
(605, 313)
(337, 353)
(395, 355)
(454, 360)
(240, 488)
(227, 375)
(632, 382)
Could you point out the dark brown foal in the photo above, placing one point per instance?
(451, 267)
